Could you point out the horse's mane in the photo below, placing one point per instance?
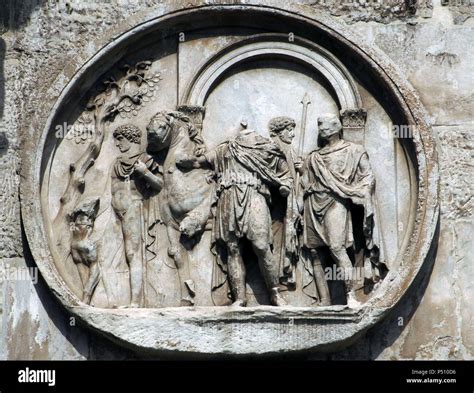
(184, 120)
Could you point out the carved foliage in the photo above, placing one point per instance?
(354, 118)
(123, 95)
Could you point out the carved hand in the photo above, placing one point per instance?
(186, 162)
(140, 168)
(189, 226)
(299, 166)
(284, 191)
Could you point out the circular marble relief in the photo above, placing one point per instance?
(209, 187)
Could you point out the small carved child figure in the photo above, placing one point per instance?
(135, 176)
(83, 249)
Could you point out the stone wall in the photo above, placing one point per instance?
(429, 40)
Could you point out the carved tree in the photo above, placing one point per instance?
(123, 96)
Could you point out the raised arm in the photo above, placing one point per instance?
(155, 181)
(192, 162)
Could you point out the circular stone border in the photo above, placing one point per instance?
(205, 331)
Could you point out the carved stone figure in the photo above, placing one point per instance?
(337, 178)
(134, 175)
(186, 197)
(121, 95)
(84, 250)
(286, 218)
(181, 226)
(246, 168)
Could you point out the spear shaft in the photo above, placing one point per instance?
(305, 101)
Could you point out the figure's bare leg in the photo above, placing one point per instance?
(84, 273)
(337, 216)
(319, 279)
(180, 257)
(343, 261)
(94, 278)
(131, 228)
(269, 269)
(236, 271)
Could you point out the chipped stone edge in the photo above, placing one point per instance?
(389, 293)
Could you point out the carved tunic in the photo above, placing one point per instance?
(246, 167)
(285, 221)
(334, 176)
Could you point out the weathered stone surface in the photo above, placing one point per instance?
(173, 132)
(10, 104)
(437, 49)
(33, 329)
(373, 11)
(456, 146)
(437, 318)
(461, 10)
(34, 325)
(437, 321)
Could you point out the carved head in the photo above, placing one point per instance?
(165, 126)
(282, 127)
(328, 125)
(158, 131)
(83, 217)
(126, 136)
(82, 225)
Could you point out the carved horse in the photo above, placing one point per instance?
(186, 195)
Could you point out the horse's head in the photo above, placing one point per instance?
(165, 128)
(159, 131)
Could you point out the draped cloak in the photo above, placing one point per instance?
(124, 170)
(286, 222)
(246, 166)
(341, 175)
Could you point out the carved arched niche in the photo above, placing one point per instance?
(293, 50)
(220, 77)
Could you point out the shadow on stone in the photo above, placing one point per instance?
(3, 143)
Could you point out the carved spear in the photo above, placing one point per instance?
(305, 101)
